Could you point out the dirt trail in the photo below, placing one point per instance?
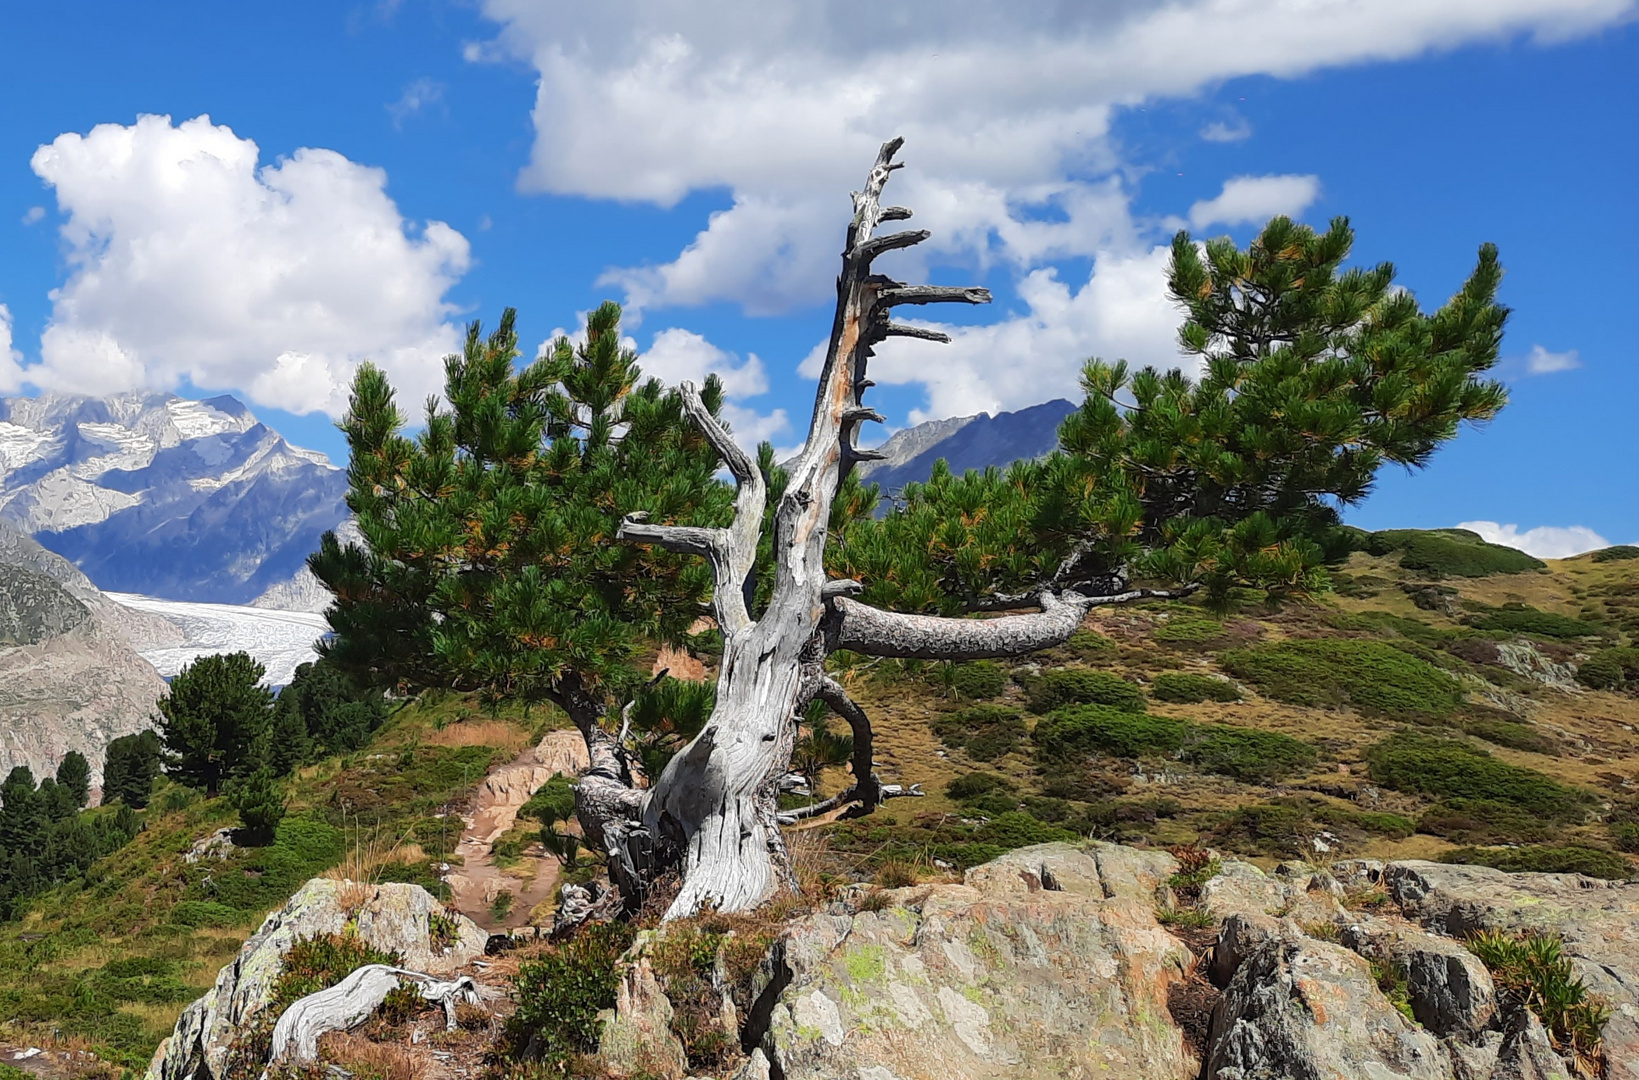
(475, 884)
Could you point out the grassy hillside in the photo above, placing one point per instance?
(1430, 707)
(109, 962)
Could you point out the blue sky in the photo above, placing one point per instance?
(372, 176)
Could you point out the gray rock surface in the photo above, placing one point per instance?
(997, 977)
(391, 917)
(1309, 1009)
(1598, 920)
(68, 678)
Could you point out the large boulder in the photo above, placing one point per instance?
(405, 919)
(1311, 1010)
(1046, 962)
(1598, 920)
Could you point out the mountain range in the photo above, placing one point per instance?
(159, 495)
(966, 442)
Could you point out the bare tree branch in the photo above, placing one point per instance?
(731, 551)
(933, 294)
(864, 629)
(678, 539)
(865, 785)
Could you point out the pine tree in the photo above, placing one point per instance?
(130, 768)
(486, 565)
(261, 807)
(213, 720)
(74, 776)
(1312, 378)
(22, 813)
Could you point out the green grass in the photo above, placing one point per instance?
(1186, 689)
(1372, 676)
(1078, 686)
(1454, 770)
(1450, 553)
(1547, 859)
(64, 962)
(1532, 970)
(986, 732)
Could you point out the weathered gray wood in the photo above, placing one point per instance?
(350, 1002)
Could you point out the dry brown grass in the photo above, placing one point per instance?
(361, 866)
(497, 733)
(369, 1060)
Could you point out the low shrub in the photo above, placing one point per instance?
(1082, 729)
(1521, 619)
(1616, 553)
(1451, 769)
(1514, 735)
(1185, 689)
(1485, 821)
(1194, 631)
(1373, 676)
(986, 732)
(1090, 645)
(1625, 835)
(1533, 971)
(1450, 553)
(978, 679)
(1610, 669)
(1078, 686)
(1546, 859)
(1270, 829)
(315, 963)
(205, 913)
(1247, 754)
(974, 784)
(984, 794)
(561, 992)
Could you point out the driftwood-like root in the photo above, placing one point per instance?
(350, 1002)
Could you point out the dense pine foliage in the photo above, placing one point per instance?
(1312, 378)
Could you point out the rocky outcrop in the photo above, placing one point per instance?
(1598, 921)
(405, 919)
(1310, 1009)
(1046, 962)
(68, 679)
(1050, 962)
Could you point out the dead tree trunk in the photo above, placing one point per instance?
(714, 807)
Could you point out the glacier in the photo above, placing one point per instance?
(279, 640)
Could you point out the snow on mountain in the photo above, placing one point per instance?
(279, 640)
(158, 495)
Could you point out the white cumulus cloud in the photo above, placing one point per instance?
(783, 103)
(11, 371)
(1544, 541)
(1539, 361)
(1254, 199)
(1006, 109)
(679, 355)
(190, 260)
(1120, 313)
(1223, 131)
